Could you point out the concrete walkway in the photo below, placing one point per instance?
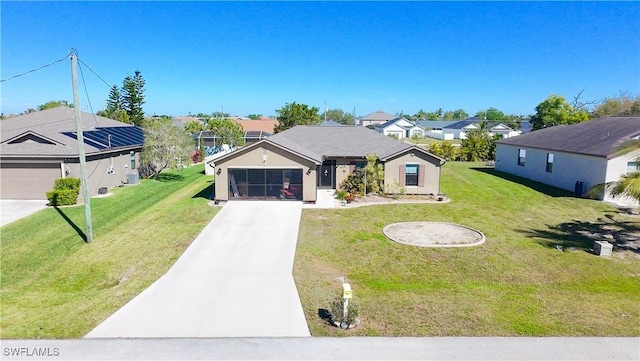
(12, 210)
(235, 280)
(327, 348)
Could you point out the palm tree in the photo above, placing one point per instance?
(628, 186)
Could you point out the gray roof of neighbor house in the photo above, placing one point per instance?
(435, 124)
(52, 133)
(461, 124)
(318, 142)
(600, 137)
(395, 120)
(378, 115)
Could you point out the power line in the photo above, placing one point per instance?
(96, 74)
(86, 91)
(36, 69)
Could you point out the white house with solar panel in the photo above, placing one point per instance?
(40, 147)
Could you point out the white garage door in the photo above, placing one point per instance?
(28, 181)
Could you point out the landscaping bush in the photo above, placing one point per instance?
(341, 194)
(63, 197)
(67, 183)
(354, 183)
(65, 192)
(337, 313)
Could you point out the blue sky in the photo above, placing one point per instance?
(253, 57)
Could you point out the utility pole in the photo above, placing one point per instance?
(325, 112)
(83, 161)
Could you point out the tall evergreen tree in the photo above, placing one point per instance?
(115, 100)
(133, 97)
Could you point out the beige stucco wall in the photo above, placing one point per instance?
(262, 157)
(343, 168)
(431, 176)
(98, 173)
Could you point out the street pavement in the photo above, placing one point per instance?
(234, 280)
(326, 348)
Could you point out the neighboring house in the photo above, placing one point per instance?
(180, 122)
(400, 128)
(503, 130)
(293, 164)
(525, 126)
(262, 125)
(460, 129)
(213, 144)
(375, 118)
(573, 157)
(448, 130)
(40, 147)
(435, 128)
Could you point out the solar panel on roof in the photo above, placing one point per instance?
(111, 137)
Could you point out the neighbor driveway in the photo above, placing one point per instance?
(235, 280)
(12, 210)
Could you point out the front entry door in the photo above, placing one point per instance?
(327, 174)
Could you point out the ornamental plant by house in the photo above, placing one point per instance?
(65, 192)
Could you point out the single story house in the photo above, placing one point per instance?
(460, 129)
(259, 125)
(503, 130)
(435, 128)
(400, 128)
(574, 157)
(375, 118)
(295, 163)
(38, 148)
(448, 129)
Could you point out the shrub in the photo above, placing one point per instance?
(67, 183)
(354, 183)
(337, 313)
(196, 157)
(63, 197)
(65, 192)
(350, 197)
(341, 194)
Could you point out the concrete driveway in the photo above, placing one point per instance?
(12, 210)
(235, 280)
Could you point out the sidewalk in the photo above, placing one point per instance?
(315, 348)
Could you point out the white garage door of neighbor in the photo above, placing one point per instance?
(28, 181)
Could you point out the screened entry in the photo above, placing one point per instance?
(272, 184)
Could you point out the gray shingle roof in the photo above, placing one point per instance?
(461, 124)
(378, 115)
(435, 124)
(50, 124)
(318, 142)
(395, 120)
(598, 137)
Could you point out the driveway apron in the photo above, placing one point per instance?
(234, 280)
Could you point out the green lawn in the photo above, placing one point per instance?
(54, 285)
(516, 284)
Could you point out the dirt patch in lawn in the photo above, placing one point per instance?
(433, 234)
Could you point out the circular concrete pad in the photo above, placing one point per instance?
(433, 234)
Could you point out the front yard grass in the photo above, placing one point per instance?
(516, 284)
(54, 285)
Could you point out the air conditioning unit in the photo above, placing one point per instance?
(133, 178)
(602, 248)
